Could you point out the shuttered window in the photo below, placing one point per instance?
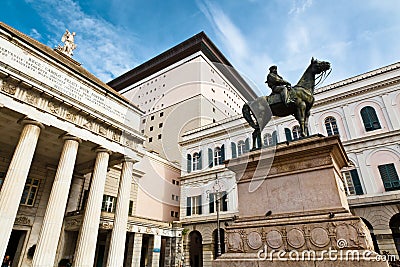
(370, 119)
(389, 177)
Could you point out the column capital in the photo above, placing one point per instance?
(99, 149)
(26, 121)
(68, 136)
(128, 159)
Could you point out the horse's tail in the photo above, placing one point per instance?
(247, 116)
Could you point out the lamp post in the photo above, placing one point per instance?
(217, 189)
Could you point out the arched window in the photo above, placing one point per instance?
(288, 134)
(219, 155)
(274, 138)
(370, 119)
(233, 148)
(196, 161)
(189, 163)
(268, 139)
(331, 126)
(296, 132)
(241, 147)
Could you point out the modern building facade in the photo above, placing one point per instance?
(364, 110)
(76, 183)
(186, 87)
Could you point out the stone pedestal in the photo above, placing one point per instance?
(293, 209)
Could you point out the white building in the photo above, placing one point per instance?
(76, 183)
(185, 87)
(365, 112)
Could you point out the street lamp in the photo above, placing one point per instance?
(217, 189)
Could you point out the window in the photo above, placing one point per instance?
(144, 120)
(150, 139)
(173, 181)
(189, 163)
(172, 213)
(233, 148)
(352, 182)
(389, 177)
(241, 147)
(223, 204)
(296, 132)
(152, 118)
(331, 126)
(288, 134)
(176, 214)
(370, 119)
(217, 156)
(268, 139)
(196, 163)
(30, 192)
(160, 125)
(108, 204)
(159, 136)
(130, 207)
(162, 113)
(193, 205)
(173, 197)
(151, 128)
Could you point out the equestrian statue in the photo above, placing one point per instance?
(285, 100)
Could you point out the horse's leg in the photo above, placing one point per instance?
(301, 110)
(256, 134)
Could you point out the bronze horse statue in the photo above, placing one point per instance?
(259, 111)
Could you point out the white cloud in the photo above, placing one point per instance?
(225, 29)
(35, 34)
(299, 6)
(106, 50)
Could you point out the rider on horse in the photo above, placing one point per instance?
(279, 85)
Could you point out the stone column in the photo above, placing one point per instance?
(137, 249)
(86, 246)
(14, 182)
(155, 259)
(51, 228)
(118, 236)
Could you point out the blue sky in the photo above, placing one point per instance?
(115, 36)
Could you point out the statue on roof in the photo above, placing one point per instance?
(69, 45)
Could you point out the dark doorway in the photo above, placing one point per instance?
(373, 237)
(395, 227)
(144, 256)
(222, 241)
(14, 246)
(195, 249)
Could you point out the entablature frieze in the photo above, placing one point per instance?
(26, 93)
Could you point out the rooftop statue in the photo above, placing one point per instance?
(69, 45)
(284, 100)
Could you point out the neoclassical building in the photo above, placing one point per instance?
(363, 110)
(76, 184)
